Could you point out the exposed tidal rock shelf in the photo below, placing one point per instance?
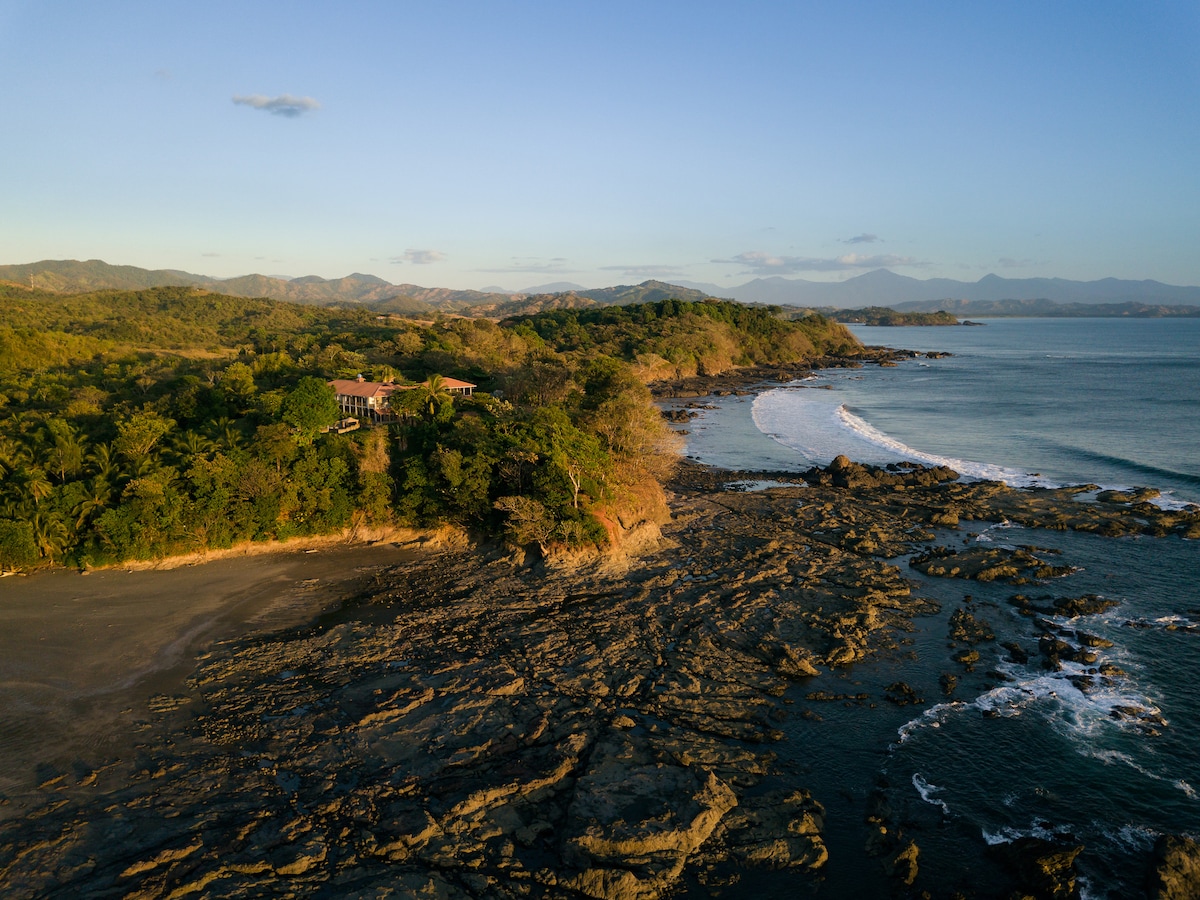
(472, 727)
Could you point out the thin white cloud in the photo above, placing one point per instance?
(863, 239)
(1007, 262)
(283, 105)
(643, 271)
(761, 263)
(419, 257)
(533, 264)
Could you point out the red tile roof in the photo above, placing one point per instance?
(351, 387)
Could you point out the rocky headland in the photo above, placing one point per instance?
(748, 379)
(477, 722)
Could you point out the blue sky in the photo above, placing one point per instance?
(509, 143)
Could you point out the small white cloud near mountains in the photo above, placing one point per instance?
(283, 105)
(761, 263)
(644, 271)
(419, 257)
(533, 264)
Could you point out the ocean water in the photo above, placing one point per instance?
(1030, 401)
(1017, 750)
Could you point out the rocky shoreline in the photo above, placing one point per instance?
(475, 725)
(745, 379)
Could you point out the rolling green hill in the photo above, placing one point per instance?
(69, 276)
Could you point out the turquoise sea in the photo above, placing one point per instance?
(1017, 750)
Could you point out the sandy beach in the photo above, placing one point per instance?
(83, 655)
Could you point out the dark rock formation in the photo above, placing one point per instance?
(472, 726)
(1044, 868)
(966, 629)
(902, 694)
(1175, 872)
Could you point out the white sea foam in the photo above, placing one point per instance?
(1077, 714)
(1113, 757)
(1173, 620)
(1107, 703)
(1167, 623)
(930, 718)
(1006, 701)
(1131, 837)
(927, 792)
(818, 426)
(1006, 834)
(1167, 502)
(986, 536)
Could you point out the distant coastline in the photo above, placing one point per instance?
(991, 295)
(924, 314)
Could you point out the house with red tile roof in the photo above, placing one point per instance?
(370, 400)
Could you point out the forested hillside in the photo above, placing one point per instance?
(141, 424)
(69, 276)
(883, 315)
(676, 339)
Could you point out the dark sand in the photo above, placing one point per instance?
(82, 655)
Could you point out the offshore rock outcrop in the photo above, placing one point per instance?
(1176, 871)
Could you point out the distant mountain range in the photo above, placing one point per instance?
(991, 295)
(73, 276)
(885, 288)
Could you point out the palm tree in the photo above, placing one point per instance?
(12, 507)
(7, 456)
(98, 496)
(35, 483)
(432, 393)
(191, 444)
(65, 455)
(14, 455)
(145, 465)
(103, 461)
(231, 437)
(49, 533)
(225, 433)
(20, 422)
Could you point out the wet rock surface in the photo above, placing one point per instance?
(474, 726)
(1045, 869)
(745, 379)
(1176, 869)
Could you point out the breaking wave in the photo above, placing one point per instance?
(821, 427)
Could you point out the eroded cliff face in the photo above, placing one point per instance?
(474, 726)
